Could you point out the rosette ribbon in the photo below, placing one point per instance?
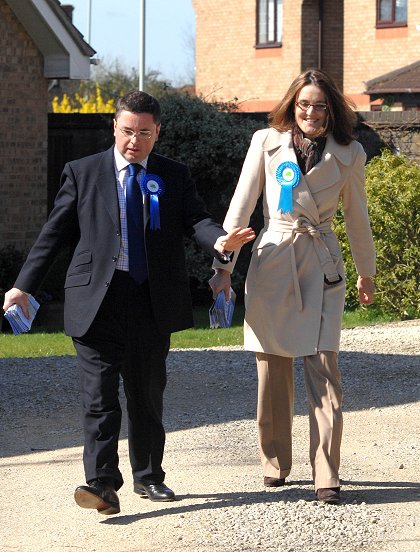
(153, 186)
(288, 176)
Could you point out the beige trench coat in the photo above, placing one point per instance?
(290, 309)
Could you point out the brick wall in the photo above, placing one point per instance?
(371, 52)
(332, 53)
(227, 63)
(309, 34)
(23, 138)
(353, 51)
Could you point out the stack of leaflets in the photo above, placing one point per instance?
(221, 311)
(18, 321)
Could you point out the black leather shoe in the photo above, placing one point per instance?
(98, 494)
(274, 481)
(329, 496)
(157, 492)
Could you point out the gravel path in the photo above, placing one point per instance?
(212, 459)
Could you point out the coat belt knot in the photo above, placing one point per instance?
(303, 226)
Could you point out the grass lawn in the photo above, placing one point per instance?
(40, 344)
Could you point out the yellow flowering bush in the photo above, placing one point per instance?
(83, 104)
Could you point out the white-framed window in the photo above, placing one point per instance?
(269, 23)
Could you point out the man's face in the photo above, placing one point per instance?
(135, 135)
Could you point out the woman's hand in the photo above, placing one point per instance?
(234, 239)
(366, 289)
(220, 282)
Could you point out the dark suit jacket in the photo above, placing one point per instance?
(86, 208)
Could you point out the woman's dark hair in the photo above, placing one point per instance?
(137, 101)
(341, 119)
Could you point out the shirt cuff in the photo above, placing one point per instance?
(223, 258)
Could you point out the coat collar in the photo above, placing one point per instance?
(275, 139)
(279, 147)
(326, 173)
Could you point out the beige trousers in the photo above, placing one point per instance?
(275, 415)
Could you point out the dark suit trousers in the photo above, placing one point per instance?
(123, 340)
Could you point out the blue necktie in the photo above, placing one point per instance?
(136, 248)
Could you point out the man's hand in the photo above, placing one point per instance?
(234, 239)
(17, 297)
(220, 282)
(366, 289)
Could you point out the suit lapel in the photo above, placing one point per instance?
(107, 186)
(327, 172)
(153, 165)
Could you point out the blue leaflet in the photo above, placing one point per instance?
(16, 318)
(221, 311)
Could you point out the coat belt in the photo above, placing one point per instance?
(303, 226)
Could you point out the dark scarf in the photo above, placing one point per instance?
(308, 152)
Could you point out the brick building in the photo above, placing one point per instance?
(253, 49)
(38, 42)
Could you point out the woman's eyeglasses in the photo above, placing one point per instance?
(304, 106)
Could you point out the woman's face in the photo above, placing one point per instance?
(311, 110)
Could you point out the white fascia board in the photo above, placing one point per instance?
(63, 58)
(78, 64)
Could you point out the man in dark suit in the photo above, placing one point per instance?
(126, 290)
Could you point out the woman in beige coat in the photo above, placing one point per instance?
(304, 164)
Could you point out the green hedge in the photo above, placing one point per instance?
(208, 138)
(392, 184)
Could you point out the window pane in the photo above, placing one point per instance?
(262, 23)
(271, 21)
(385, 10)
(401, 10)
(279, 21)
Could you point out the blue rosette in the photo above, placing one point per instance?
(288, 176)
(153, 186)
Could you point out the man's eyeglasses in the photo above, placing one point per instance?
(142, 134)
(304, 106)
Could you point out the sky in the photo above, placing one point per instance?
(170, 32)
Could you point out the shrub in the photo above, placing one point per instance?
(90, 103)
(11, 261)
(212, 141)
(52, 287)
(392, 184)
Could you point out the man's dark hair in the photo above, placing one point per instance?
(137, 101)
